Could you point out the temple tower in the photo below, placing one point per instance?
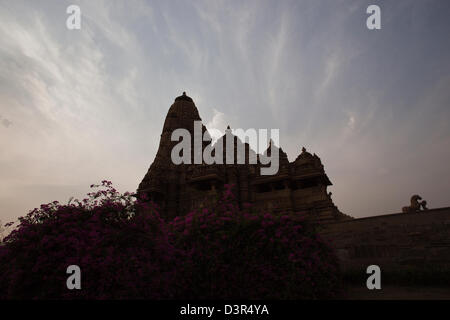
(164, 180)
(298, 187)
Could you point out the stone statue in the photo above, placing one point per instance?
(416, 205)
(424, 205)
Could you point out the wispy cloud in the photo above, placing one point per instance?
(80, 106)
(217, 125)
(5, 122)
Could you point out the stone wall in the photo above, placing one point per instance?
(395, 242)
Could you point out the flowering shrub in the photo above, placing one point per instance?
(220, 252)
(119, 253)
(234, 254)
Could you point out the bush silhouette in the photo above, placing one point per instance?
(127, 251)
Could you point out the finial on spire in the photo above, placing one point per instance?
(303, 149)
(184, 97)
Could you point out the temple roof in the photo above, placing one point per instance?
(305, 156)
(184, 97)
(282, 155)
(182, 114)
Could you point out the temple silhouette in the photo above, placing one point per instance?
(299, 186)
(413, 239)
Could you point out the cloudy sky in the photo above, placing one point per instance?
(79, 106)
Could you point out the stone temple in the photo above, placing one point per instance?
(299, 186)
(408, 242)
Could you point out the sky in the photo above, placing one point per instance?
(80, 106)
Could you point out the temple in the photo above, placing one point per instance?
(298, 187)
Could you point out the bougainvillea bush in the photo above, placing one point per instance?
(125, 250)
